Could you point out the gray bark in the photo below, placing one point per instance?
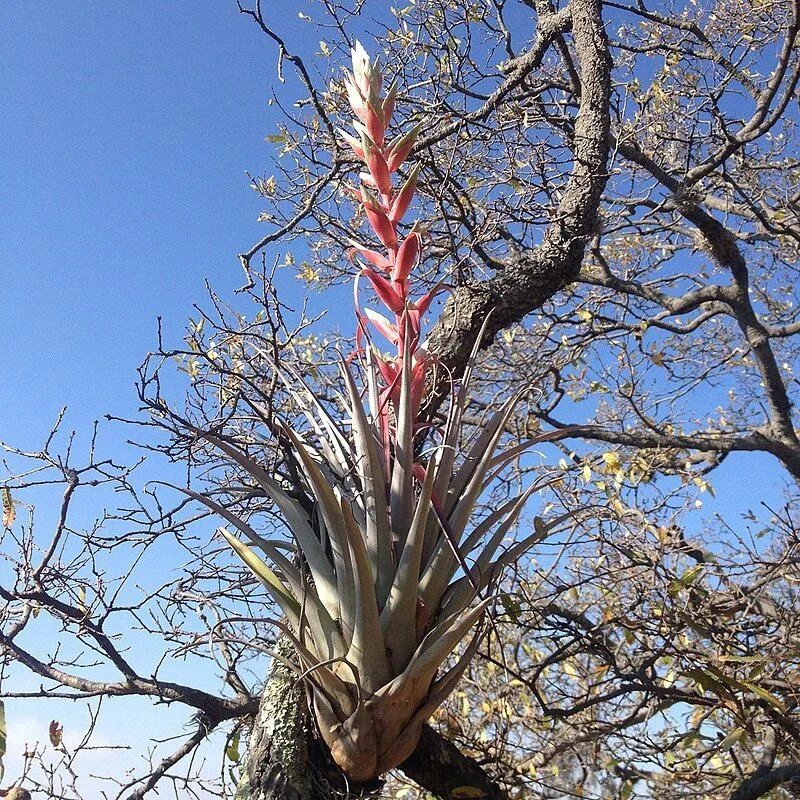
(276, 765)
(285, 759)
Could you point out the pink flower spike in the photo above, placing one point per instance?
(385, 291)
(424, 302)
(400, 148)
(388, 371)
(354, 97)
(377, 166)
(374, 258)
(383, 326)
(353, 142)
(374, 122)
(404, 196)
(378, 219)
(406, 257)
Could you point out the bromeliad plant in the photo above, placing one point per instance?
(391, 577)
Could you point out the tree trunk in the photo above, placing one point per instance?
(276, 765)
(285, 759)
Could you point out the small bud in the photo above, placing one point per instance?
(374, 258)
(377, 166)
(379, 220)
(353, 142)
(394, 301)
(382, 325)
(400, 148)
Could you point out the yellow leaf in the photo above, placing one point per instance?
(569, 668)
(307, 273)
(765, 695)
(730, 740)
(467, 792)
(9, 512)
(611, 459)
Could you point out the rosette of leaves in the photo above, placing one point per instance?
(385, 593)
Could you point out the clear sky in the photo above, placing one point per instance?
(127, 129)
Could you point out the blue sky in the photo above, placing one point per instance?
(127, 133)
(127, 130)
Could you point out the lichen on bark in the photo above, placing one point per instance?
(277, 763)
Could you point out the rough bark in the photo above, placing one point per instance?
(276, 767)
(446, 772)
(533, 277)
(765, 781)
(286, 761)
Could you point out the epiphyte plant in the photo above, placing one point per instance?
(391, 577)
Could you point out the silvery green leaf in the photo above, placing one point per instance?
(373, 480)
(367, 649)
(399, 616)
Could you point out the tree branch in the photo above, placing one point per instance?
(438, 766)
(535, 276)
(758, 784)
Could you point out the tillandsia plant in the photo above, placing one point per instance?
(391, 578)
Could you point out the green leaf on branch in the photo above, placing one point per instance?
(765, 695)
(232, 750)
(730, 740)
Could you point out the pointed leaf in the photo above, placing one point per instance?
(334, 524)
(373, 481)
(398, 619)
(274, 587)
(367, 649)
(296, 519)
(404, 197)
